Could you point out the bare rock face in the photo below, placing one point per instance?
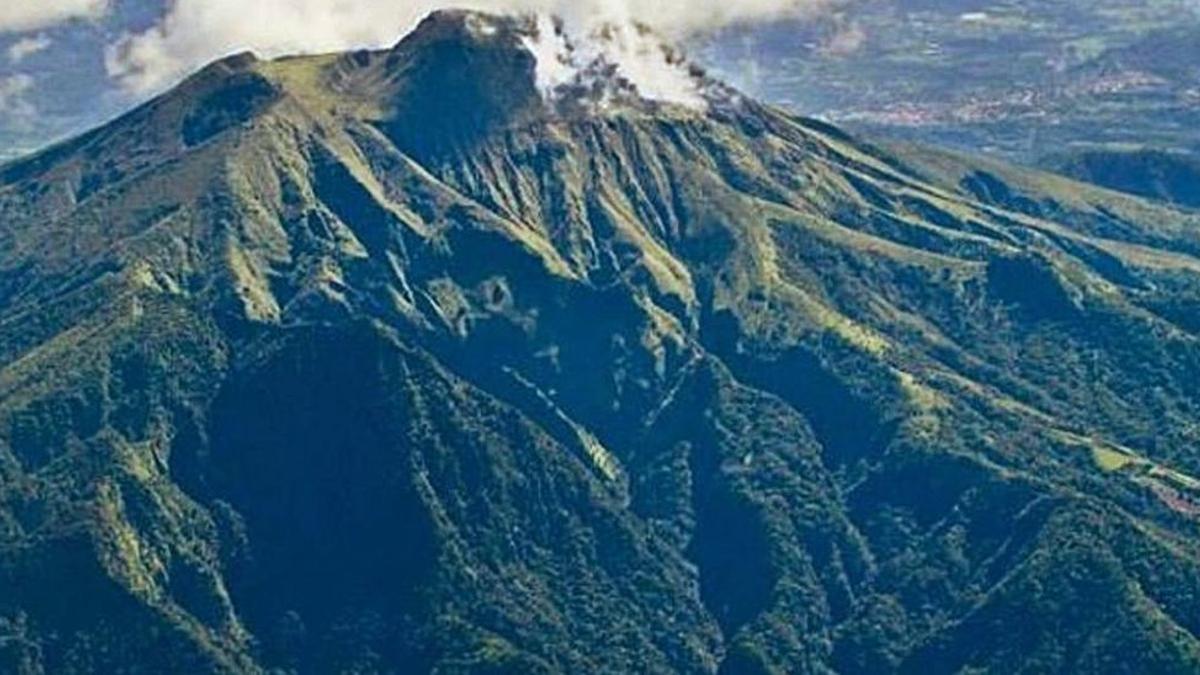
(391, 362)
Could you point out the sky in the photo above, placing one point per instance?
(194, 31)
(67, 64)
(53, 77)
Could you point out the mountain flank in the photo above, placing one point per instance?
(393, 361)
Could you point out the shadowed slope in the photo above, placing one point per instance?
(301, 371)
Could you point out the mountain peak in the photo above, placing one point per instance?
(460, 75)
(462, 25)
(642, 390)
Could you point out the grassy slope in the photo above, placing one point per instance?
(286, 385)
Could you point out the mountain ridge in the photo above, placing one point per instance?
(295, 378)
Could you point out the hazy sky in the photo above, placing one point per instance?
(66, 64)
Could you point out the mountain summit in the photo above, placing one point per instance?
(460, 75)
(402, 361)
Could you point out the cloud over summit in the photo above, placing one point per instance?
(194, 32)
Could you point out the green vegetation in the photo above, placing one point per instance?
(1172, 177)
(317, 387)
(1015, 79)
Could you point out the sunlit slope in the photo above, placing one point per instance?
(301, 369)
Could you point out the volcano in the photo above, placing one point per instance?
(396, 362)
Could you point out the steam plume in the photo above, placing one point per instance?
(195, 31)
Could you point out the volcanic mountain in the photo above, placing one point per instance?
(395, 361)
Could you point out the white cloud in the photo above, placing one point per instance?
(26, 47)
(846, 39)
(194, 32)
(25, 15)
(14, 101)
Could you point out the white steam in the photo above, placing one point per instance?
(567, 55)
(194, 32)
